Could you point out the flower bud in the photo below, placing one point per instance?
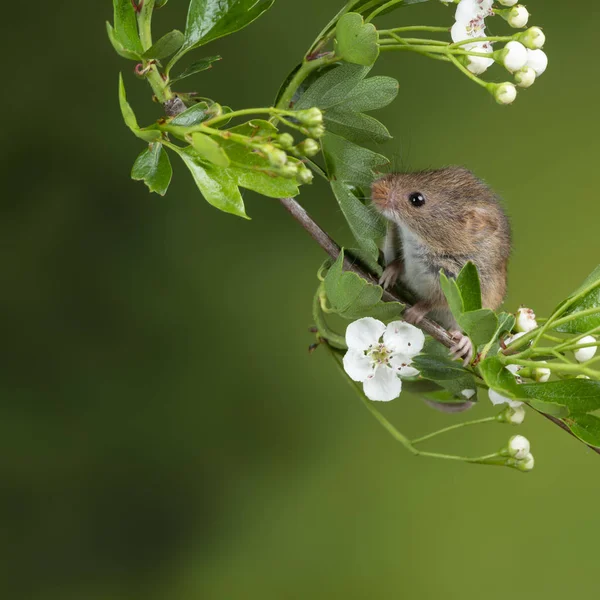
(541, 374)
(508, 2)
(511, 338)
(537, 60)
(534, 38)
(518, 447)
(512, 415)
(278, 158)
(513, 56)
(526, 464)
(317, 131)
(518, 16)
(305, 175)
(505, 93)
(308, 147)
(525, 320)
(525, 77)
(584, 354)
(286, 141)
(310, 117)
(289, 170)
(497, 398)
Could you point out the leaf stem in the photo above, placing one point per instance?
(334, 339)
(452, 428)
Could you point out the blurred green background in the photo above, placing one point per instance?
(164, 432)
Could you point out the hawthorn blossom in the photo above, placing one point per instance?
(525, 320)
(378, 355)
(470, 23)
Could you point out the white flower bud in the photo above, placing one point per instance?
(537, 60)
(513, 56)
(584, 354)
(527, 463)
(525, 77)
(518, 447)
(518, 16)
(534, 38)
(541, 374)
(525, 320)
(505, 93)
(508, 2)
(468, 394)
(516, 415)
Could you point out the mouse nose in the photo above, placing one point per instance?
(381, 193)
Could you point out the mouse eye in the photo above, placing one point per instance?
(417, 199)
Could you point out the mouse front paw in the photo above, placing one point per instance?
(391, 274)
(463, 349)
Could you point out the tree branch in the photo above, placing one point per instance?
(333, 250)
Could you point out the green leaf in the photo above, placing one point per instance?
(590, 290)
(479, 325)
(586, 428)
(218, 186)
(125, 26)
(371, 94)
(166, 45)
(207, 148)
(435, 364)
(351, 297)
(208, 20)
(469, 286)
(148, 135)
(193, 116)
(153, 167)
(118, 46)
(356, 41)
(356, 127)
(550, 408)
(500, 379)
(452, 293)
(197, 67)
(579, 395)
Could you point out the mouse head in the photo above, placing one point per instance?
(449, 209)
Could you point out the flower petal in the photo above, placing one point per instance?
(364, 333)
(357, 365)
(403, 338)
(401, 364)
(384, 385)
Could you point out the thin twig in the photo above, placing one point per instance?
(333, 250)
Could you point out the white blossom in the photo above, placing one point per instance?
(518, 16)
(537, 60)
(584, 354)
(497, 399)
(518, 447)
(525, 77)
(377, 355)
(527, 463)
(514, 56)
(470, 23)
(505, 93)
(525, 320)
(508, 2)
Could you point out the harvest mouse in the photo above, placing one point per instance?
(441, 220)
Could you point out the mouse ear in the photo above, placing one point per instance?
(480, 221)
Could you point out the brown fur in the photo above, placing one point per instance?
(461, 220)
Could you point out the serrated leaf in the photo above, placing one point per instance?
(500, 379)
(209, 149)
(479, 325)
(197, 67)
(371, 94)
(209, 20)
(469, 286)
(125, 26)
(549, 408)
(356, 127)
(165, 46)
(153, 167)
(118, 46)
(586, 428)
(590, 289)
(356, 41)
(351, 297)
(148, 135)
(218, 186)
(579, 395)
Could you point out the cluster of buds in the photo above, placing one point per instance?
(522, 56)
(518, 453)
(312, 120)
(284, 165)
